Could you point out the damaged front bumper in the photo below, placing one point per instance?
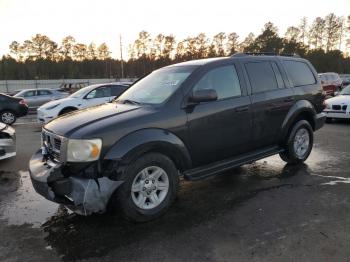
(82, 195)
(7, 141)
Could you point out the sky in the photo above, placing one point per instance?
(105, 20)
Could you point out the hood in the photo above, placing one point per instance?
(340, 99)
(67, 124)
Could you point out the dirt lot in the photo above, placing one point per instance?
(265, 211)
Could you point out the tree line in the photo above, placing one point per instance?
(320, 41)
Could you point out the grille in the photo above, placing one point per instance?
(52, 143)
(336, 107)
(344, 107)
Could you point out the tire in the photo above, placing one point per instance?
(131, 203)
(329, 120)
(295, 151)
(66, 110)
(8, 117)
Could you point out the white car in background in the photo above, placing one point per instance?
(338, 107)
(86, 97)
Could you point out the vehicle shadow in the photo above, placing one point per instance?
(75, 237)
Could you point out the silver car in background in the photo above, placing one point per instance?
(7, 141)
(37, 97)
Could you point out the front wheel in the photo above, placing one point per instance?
(299, 143)
(150, 187)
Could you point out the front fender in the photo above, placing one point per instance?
(302, 108)
(145, 140)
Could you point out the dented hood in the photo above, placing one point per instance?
(67, 124)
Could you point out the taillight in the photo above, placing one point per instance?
(22, 102)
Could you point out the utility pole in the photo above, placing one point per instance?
(341, 33)
(121, 56)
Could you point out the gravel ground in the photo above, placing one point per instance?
(265, 211)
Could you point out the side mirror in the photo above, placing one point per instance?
(203, 95)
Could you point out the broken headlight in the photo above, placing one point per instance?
(83, 150)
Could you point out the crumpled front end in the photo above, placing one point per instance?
(7, 142)
(82, 195)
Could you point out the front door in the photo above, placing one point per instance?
(221, 128)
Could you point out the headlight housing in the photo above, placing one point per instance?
(83, 150)
(327, 106)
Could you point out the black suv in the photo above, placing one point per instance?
(193, 119)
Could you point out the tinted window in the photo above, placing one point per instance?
(278, 75)
(100, 92)
(44, 92)
(29, 93)
(224, 80)
(300, 73)
(118, 89)
(261, 76)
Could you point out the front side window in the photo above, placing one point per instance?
(100, 92)
(261, 76)
(158, 86)
(224, 80)
(300, 73)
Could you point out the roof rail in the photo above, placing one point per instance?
(263, 53)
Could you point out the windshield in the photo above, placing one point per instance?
(157, 86)
(346, 90)
(82, 91)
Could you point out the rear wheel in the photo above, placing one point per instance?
(7, 117)
(150, 187)
(299, 143)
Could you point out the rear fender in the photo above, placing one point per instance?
(302, 109)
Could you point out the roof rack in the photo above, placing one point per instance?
(264, 53)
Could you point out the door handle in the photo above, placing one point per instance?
(241, 109)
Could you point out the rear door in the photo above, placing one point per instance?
(222, 128)
(271, 100)
(31, 98)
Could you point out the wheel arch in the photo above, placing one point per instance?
(150, 140)
(65, 108)
(302, 109)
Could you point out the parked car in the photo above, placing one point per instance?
(86, 97)
(7, 141)
(331, 83)
(37, 97)
(345, 79)
(338, 107)
(11, 108)
(193, 119)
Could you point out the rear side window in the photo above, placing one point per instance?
(44, 92)
(300, 73)
(224, 80)
(261, 76)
